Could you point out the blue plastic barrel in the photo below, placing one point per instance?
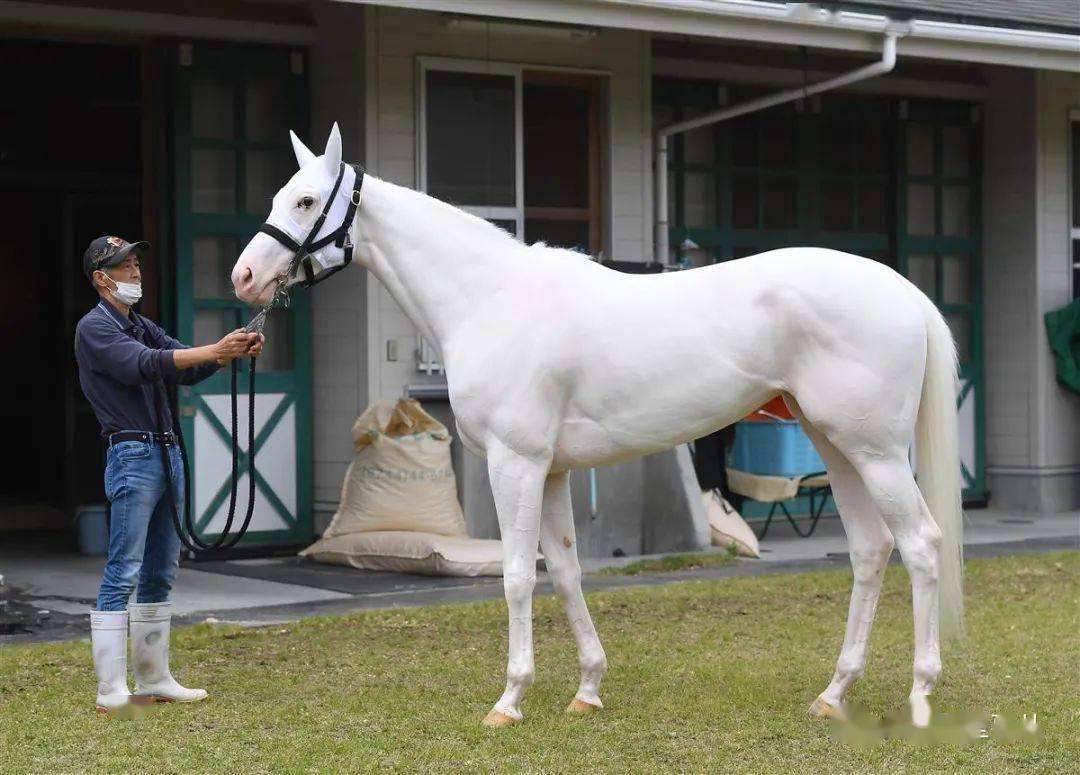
(776, 448)
(91, 531)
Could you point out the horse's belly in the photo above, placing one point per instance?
(655, 418)
(583, 443)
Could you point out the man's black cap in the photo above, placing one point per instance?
(109, 251)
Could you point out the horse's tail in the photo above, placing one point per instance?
(938, 463)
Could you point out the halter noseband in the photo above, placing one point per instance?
(302, 251)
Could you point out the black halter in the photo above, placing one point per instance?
(340, 236)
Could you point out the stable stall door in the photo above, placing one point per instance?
(234, 107)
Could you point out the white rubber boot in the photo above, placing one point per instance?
(150, 626)
(108, 638)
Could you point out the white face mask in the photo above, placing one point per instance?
(126, 293)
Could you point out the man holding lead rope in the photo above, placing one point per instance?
(124, 360)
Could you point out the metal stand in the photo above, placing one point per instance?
(816, 507)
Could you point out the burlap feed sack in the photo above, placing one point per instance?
(402, 477)
(727, 526)
(410, 552)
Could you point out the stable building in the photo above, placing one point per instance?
(960, 168)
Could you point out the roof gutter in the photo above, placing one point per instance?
(800, 24)
(166, 22)
(881, 67)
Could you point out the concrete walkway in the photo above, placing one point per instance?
(41, 577)
(985, 526)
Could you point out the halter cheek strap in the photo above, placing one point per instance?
(302, 251)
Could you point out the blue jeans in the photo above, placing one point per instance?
(143, 545)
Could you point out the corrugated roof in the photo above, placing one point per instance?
(1058, 15)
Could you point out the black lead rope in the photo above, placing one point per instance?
(186, 530)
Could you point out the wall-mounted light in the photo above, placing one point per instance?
(507, 27)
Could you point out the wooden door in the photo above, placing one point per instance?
(234, 107)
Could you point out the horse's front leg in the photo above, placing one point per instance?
(559, 545)
(517, 482)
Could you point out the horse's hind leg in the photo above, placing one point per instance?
(559, 545)
(870, 545)
(890, 483)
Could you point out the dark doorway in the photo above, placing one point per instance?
(561, 129)
(70, 139)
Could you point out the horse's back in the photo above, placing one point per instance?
(660, 359)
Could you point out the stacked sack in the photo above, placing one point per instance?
(399, 509)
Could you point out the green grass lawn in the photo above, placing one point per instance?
(672, 562)
(705, 676)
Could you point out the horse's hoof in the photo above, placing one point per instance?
(820, 708)
(920, 710)
(582, 708)
(496, 719)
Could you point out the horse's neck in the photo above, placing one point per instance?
(437, 262)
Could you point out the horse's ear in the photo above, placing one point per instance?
(303, 153)
(332, 154)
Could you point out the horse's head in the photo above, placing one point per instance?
(296, 207)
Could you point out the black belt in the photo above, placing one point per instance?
(144, 436)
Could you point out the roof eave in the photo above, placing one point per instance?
(769, 22)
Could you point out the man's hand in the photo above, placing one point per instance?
(256, 348)
(236, 344)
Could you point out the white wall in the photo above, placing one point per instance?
(1009, 266)
(1033, 425)
(396, 37)
(1058, 420)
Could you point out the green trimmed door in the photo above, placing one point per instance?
(234, 106)
(938, 245)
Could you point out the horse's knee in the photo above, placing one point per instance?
(927, 670)
(920, 553)
(868, 563)
(567, 581)
(518, 586)
(931, 533)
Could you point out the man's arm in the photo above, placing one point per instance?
(188, 374)
(109, 350)
(194, 364)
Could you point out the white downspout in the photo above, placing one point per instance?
(885, 65)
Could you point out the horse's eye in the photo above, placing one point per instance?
(307, 202)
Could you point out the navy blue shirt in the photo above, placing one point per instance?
(122, 363)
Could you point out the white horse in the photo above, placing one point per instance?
(554, 362)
